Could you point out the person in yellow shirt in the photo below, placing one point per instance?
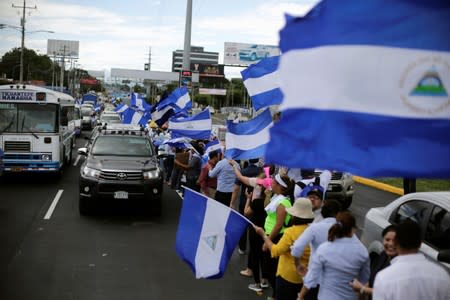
(288, 281)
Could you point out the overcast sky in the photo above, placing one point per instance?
(119, 33)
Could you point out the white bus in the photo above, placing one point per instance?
(37, 128)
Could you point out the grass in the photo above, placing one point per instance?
(422, 185)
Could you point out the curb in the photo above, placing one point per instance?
(378, 185)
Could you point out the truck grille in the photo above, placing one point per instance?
(121, 176)
(17, 146)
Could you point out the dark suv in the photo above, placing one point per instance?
(121, 163)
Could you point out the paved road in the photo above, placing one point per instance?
(121, 253)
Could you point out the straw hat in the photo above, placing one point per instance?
(302, 208)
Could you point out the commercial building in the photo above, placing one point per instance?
(197, 56)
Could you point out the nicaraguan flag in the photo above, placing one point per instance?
(207, 234)
(196, 127)
(263, 82)
(182, 142)
(209, 147)
(162, 116)
(366, 89)
(121, 108)
(140, 103)
(179, 99)
(135, 117)
(213, 146)
(248, 140)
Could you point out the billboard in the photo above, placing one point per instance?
(247, 54)
(213, 70)
(63, 48)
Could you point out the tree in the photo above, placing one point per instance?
(35, 66)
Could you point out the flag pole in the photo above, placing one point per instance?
(236, 212)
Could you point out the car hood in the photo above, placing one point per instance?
(122, 163)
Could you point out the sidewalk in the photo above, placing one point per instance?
(378, 185)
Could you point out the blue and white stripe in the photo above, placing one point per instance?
(139, 103)
(249, 139)
(121, 108)
(179, 99)
(207, 234)
(135, 117)
(348, 73)
(263, 82)
(195, 127)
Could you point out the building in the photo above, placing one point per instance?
(198, 56)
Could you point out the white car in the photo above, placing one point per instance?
(430, 209)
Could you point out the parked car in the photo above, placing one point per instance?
(341, 188)
(121, 164)
(429, 209)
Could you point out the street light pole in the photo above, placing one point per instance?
(187, 37)
(22, 48)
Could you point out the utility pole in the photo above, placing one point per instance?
(22, 48)
(149, 58)
(187, 37)
(62, 69)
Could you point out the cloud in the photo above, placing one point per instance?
(113, 39)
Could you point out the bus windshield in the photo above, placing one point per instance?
(27, 117)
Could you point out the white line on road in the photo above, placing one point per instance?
(77, 160)
(53, 205)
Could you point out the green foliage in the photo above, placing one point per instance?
(422, 185)
(35, 67)
(204, 100)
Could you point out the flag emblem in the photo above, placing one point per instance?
(430, 85)
(424, 85)
(211, 241)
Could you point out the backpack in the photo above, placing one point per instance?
(313, 185)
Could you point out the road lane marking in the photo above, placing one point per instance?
(53, 205)
(77, 160)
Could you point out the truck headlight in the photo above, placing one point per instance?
(46, 157)
(89, 172)
(153, 174)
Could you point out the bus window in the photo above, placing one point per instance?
(34, 118)
(67, 114)
(8, 117)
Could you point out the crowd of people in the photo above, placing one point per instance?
(301, 246)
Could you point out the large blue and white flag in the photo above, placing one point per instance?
(263, 82)
(179, 99)
(121, 108)
(137, 101)
(366, 89)
(207, 234)
(135, 117)
(248, 140)
(162, 116)
(196, 127)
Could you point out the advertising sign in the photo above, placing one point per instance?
(89, 81)
(186, 78)
(219, 92)
(63, 48)
(247, 54)
(213, 70)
